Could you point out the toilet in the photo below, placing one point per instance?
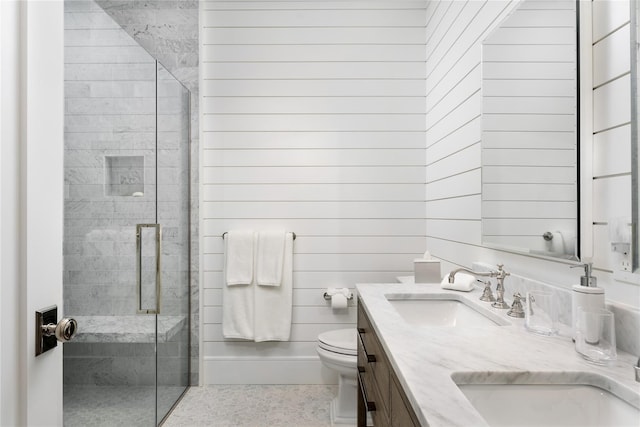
(338, 351)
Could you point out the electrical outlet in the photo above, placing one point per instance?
(625, 265)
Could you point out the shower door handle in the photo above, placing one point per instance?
(139, 270)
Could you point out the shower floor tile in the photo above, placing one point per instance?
(253, 406)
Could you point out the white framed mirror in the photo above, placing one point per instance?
(530, 131)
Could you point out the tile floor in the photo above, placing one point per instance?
(253, 406)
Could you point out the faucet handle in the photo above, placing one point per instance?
(502, 272)
(637, 369)
(487, 295)
(516, 308)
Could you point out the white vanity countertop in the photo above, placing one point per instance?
(425, 358)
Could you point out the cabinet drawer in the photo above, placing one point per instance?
(381, 374)
(365, 331)
(379, 417)
(372, 400)
(365, 373)
(366, 370)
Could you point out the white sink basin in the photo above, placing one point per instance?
(442, 310)
(549, 405)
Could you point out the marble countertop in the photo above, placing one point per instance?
(426, 359)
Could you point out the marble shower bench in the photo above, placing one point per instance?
(122, 350)
(127, 329)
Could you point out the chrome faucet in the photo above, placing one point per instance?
(637, 369)
(499, 274)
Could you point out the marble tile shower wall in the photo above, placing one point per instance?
(110, 153)
(109, 120)
(168, 30)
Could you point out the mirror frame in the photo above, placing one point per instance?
(635, 138)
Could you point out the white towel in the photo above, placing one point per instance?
(237, 305)
(270, 258)
(239, 256)
(462, 282)
(273, 305)
(237, 312)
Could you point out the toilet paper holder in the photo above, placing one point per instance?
(327, 295)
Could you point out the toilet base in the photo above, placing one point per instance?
(344, 407)
(340, 420)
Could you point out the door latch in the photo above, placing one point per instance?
(49, 331)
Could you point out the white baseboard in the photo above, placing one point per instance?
(277, 370)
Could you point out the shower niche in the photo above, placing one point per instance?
(124, 176)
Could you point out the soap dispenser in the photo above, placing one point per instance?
(586, 295)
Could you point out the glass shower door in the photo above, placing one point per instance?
(173, 214)
(126, 231)
(110, 180)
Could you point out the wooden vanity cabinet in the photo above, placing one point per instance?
(380, 392)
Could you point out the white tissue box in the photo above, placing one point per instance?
(426, 271)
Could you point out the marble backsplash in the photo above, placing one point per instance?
(627, 318)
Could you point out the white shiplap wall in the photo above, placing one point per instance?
(312, 121)
(453, 175)
(456, 30)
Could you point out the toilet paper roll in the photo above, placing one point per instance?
(338, 301)
(563, 242)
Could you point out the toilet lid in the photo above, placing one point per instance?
(341, 341)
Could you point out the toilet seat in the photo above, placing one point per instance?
(340, 341)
